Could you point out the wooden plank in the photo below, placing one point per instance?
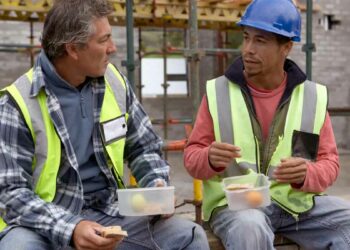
(212, 14)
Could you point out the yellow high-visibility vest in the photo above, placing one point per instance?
(233, 124)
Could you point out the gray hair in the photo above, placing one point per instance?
(70, 21)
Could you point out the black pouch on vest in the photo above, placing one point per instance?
(305, 145)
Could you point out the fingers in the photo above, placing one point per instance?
(159, 183)
(221, 154)
(291, 170)
(86, 235)
(99, 242)
(225, 149)
(219, 162)
(291, 178)
(293, 161)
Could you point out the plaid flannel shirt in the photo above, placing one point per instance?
(56, 220)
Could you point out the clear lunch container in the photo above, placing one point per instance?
(146, 201)
(247, 191)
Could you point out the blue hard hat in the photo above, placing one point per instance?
(277, 16)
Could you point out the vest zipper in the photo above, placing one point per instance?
(82, 106)
(294, 214)
(257, 154)
(266, 152)
(249, 101)
(296, 217)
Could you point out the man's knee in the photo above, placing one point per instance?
(240, 229)
(20, 238)
(186, 234)
(199, 238)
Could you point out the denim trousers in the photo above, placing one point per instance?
(325, 226)
(144, 233)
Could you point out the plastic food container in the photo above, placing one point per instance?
(146, 201)
(247, 191)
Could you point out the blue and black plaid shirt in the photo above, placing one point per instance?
(20, 206)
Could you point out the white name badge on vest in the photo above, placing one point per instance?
(114, 130)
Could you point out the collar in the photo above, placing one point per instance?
(38, 75)
(295, 75)
(38, 81)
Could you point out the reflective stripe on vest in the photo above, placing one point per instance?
(47, 155)
(306, 113)
(113, 106)
(309, 100)
(224, 130)
(47, 144)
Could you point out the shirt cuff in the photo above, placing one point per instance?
(216, 169)
(297, 186)
(64, 230)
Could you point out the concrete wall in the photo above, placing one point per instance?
(329, 64)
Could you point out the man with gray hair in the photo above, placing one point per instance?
(66, 128)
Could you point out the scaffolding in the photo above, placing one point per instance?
(150, 13)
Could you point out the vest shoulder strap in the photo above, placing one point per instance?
(116, 82)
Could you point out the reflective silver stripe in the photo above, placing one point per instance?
(225, 123)
(117, 87)
(309, 107)
(224, 110)
(23, 85)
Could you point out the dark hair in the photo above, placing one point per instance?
(70, 21)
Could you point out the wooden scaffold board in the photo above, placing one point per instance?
(212, 14)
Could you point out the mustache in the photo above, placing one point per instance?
(250, 59)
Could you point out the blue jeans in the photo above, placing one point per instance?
(326, 226)
(143, 234)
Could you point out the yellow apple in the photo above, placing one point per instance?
(138, 202)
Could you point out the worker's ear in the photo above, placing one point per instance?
(72, 50)
(287, 47)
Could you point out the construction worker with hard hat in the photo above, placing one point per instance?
(66, 128)
(264, 116)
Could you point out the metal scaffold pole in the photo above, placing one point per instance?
(194, 57)
(309, 46)
(139, 52)
(31, 39)
(130, 63)
(165, 86)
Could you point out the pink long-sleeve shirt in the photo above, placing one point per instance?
(320, 174)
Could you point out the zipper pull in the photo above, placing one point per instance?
(296, 218)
